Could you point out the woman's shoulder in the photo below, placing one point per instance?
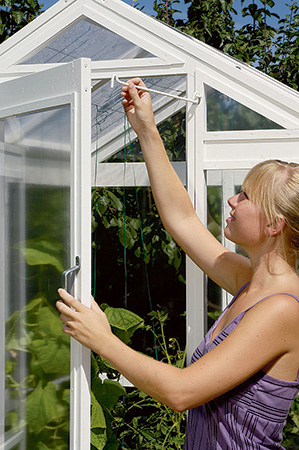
(281, 309)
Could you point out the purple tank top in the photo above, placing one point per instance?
(249, 417)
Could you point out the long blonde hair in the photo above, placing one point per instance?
(273, 185)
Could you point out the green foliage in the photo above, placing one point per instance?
(211, 22)
(271, 49)
(285, 63)
(141, 422)
(34, 335)
(172, 132)
(42, 251)
(123, 322)
(165, 10)
(107, 391)
(291, 430)
(107, 206)
(15, 14)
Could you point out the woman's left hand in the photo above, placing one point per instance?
(89, 326)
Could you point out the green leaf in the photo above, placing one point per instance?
(42, 251)
(116, 202)
(36, 257)
(108, 392)
(50, 346)
(97, 415)
(18, 16)
(98, 438)
(41, 407)
(32, 3)
(17, 336)
(123, 322)
(127, 236)
(52, 355)
(122, 318)
(35, 303)
(49, 324)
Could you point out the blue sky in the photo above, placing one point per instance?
(280, 7)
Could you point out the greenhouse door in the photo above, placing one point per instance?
(44, 230)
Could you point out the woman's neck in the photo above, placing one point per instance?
(271, 271)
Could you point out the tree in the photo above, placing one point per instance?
(211, 22)
(271, 50)
(16, 14)
(257, 42)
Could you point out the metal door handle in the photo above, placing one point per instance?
(69, 273)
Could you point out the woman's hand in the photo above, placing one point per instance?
(138, 106)
(89, 326)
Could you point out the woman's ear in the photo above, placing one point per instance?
(276, 227)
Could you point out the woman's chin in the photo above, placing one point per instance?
(227, 234)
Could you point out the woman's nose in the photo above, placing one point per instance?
(232, 201)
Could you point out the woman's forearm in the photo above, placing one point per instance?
(159, 380)
(170, 195)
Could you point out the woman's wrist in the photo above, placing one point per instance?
(149, 133)
(107, 347)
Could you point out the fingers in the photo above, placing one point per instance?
(66, 313)
(131, 94)
(95, 307)
(67, 329)
(68, 308)
(135, 81)
(70, 300)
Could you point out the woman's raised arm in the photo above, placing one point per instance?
(226, 268)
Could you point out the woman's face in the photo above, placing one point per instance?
(246, 224)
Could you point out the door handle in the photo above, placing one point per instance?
(69, 275)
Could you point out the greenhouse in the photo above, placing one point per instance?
(68, 156)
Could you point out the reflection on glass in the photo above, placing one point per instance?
(226, 114)
(35, 169)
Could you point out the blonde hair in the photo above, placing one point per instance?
(273, 186)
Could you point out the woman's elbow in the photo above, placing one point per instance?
(179, 403)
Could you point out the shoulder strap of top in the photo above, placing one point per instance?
(277, 293)
(237, 294)
(291, 295)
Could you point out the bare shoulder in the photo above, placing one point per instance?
(277, 311)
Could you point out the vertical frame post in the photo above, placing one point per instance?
(196, 186)
(81, 237)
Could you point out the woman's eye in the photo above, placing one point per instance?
(245, 195)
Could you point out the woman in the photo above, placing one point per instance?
(244, 375)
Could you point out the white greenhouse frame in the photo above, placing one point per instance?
(171, 53)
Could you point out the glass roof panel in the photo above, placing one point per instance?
(86, 39)
(107, 112)
(226, 114)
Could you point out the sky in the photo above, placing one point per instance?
(280, 7)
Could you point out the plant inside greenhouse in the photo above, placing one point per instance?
(82, 212)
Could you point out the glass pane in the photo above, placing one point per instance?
(139, 268)
(225, 114)
(172, 132)
(108, 117)
(87, 39)
(35, 205)
(222, 184)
